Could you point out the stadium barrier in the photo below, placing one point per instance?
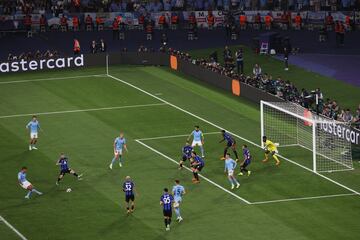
(175, 63)
(234, 86)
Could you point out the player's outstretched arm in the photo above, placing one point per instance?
(125, 147)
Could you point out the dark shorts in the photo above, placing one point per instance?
(65, 171)
(167, 213)
(246, 163)
(198, 167)
(129, 197)
(230, 144)
(184, 158)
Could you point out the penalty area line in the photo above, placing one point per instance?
(84, 110)
(2, 219)
(202, 176)
(52, 79)
(303, 198)
(234, 134)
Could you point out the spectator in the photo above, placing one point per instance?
(89, 22)
(76, 47)
(286, 58)
(164, 39)
(257, 70)
(102, 46)
(93, 47)
(115, 27)
(240, 61)
(347, 116)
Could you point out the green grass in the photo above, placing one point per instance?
(95, 207)
(347, 95)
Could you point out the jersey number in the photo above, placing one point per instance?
(166, 200)
(128, 187)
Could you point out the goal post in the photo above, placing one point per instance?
(290, 124)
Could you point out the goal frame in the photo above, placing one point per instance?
(314, 123)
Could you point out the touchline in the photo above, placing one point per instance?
(33, 65)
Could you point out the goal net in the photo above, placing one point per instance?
(290, 124)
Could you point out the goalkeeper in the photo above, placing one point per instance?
(270, 148)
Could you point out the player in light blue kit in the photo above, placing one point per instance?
(198, 139)
(119, 145)
(25, 184)
(34, 127)
(230, 165)
(178, 191)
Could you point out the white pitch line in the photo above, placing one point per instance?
(52, 79)
(303, 198)
(84, 110)
(219, 127)
(202, 176)
(12, 228)
(173, 136)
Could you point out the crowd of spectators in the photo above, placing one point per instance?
(33, 55)
(278, 86)
(8, 7)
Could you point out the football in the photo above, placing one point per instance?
(68, 190)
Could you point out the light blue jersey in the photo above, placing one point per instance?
(230, 164)
(119, 143)
(22, 177)
(178, 191)
(34, 126)
(197, 135)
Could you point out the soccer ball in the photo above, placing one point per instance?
(68, 190)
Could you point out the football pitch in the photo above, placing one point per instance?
(82, 111)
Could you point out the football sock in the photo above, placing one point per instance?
(196, 176)
(266, 157)
(235, 181)
(132, 207)
(225, 151)
(75, 174)
(177, 212)
(181, 165)
(276, 158)
(120, 159)
(169, 221)
(113, 160)
(202, 150)
(236, 154)
(36, 191)
(29, 194)
(59, 179)
(166, 222)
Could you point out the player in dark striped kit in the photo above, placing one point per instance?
(129, 190)
(167, 200)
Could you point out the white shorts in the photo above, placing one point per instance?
(177, 202)
(33, 135)
(25, 184)
(230, 172)
(196, 143)
(118, 152)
